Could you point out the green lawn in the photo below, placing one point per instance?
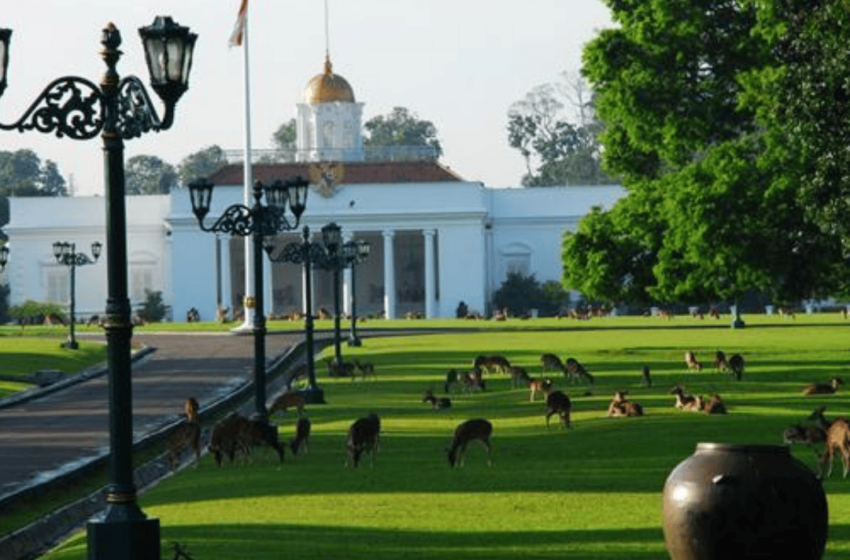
(590, 492)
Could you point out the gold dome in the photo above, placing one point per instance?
(328, 87)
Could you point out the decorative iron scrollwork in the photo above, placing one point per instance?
(69, 106)
(136, 113)
(238, 219)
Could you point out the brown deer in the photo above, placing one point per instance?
(837, 439)
(473, 380)
(620, 406)
(366, 369)
(236, 434)
(576, 371)
(363, 437)
(285, 401)
(714, 405)
(470, 430)
(692, 362)
(186, 435)
(806, 433)
(551, 362)
(490, 364)
(519, 376)
(436, 402)
(452, 379)
(302, 436)
(823, 389)
(720, 362)
(683, 401)
(536, 385)
(558, 403)
(736, 366)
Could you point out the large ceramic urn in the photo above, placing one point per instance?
(744, 501)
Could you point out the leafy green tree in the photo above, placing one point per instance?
(401, 128)
(201, 164)
(556, 150)
(284, 138)
(149, 175)
(22, 174)
(519, 294)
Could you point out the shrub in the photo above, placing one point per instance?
(34, 312)
(519, 294)
(153, 309)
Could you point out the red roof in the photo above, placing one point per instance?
(425, 171)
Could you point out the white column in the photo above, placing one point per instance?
(226, 285)
(268, 285)
(389, 274)
(346, 281)
(430, 285)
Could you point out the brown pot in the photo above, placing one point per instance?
(744, 501)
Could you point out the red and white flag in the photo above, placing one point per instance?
(239, 28)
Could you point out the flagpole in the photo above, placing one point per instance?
(249, 299)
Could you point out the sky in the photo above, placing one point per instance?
(457, 63)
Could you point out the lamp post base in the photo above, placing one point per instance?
(354, 341)
(123, 539)
(738, 323)
(313, 395)
(70, 345)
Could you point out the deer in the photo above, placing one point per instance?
(519, 376)
(538, 385)
(714, 405)
(683, 401)
(692, 362)
(645, 378)
(736, 366)
(452, 379)
(236, 434)
(576, 371)
(186, 435)
(823, 389)
(286, 400)
(302, 436)
(363, 438)
(366, 369)
(620, 406)
(837, 439)
(476, 429)
(473, 380)
(720, 362)
(436, 402)
(806, 433)
(551, 362)
(558, 403)
(495, 363)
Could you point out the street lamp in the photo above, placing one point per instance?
(332, 239)
(66, 254)
(117, 109)
(354, 253)
(305, 253)
(257, 221)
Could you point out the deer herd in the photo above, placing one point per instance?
(235, 435)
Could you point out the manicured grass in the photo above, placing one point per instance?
(590, 492)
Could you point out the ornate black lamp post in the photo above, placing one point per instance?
(4, 255)
(117, 109)
(354, 252)
(332, 239)
(258, 221)
(66, 254)
(305, 253)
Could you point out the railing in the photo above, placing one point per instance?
(368, 154)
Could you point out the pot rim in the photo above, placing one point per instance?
(743, 448)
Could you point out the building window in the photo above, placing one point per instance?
(141, 282)
(517, 265)
(58, 284)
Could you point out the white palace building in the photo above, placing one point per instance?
(436, 239)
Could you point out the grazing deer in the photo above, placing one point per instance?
(692, 362)
(519, 376)
(186, 435)
(720, 363)
(645, 379)
(837, 439)
(335, 369)
(551, 362)
(536, 385)
(452, 379)
(302, 436)
(366, 369)
(363, 438)
(714, 405)
(287, 400)
(236, 434)
(576, 371)
(736, 366)
(621, 406)
(558, 403)
(808, 434)
(436, 402)
(475, 429)
(490, 364)
(683, 401)
(823, 389)
(473, 380)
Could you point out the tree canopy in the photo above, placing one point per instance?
(146, 174)
(695, 99)
(23, 174)
(201, 164)
(401, 127)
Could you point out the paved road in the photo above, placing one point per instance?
(51, 435)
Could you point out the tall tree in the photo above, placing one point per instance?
(556, 131)
(149, 175)
(401, 128)
(201, 164)
(22, 174)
